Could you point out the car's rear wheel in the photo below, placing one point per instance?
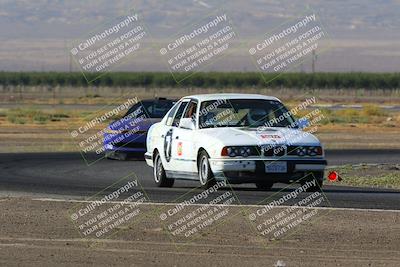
(319, 180)
(264, 185)
(160, 177)
(206, 176)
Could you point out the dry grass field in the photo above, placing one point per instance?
(35, 119)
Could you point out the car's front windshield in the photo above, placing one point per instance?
(150, 109)
(244, 113)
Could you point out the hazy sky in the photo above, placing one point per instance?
(37, 35)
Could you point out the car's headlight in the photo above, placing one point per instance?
(314, 150)
(234, 151)
(305, 151)
(301, 151)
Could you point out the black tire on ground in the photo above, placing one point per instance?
(160, 178)
(114, 155)
(264, 185)
(206, 176)
(318, 177)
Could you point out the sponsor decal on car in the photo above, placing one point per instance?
(180, 149)
(267, 136)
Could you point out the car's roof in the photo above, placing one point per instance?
(207, 97)
(158, 100)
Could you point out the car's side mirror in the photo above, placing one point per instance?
(302, 123)
(187, 123)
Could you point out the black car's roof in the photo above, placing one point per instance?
(159, 100)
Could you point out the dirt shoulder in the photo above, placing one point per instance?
(37, 232)
(367, 175)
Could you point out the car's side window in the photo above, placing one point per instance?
(133, 109)
(179, 113)
(191, 111)
(171, 114)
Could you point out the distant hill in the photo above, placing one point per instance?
(35, 34)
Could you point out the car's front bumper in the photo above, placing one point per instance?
(125, 149)
(221, 165)
(122, 143)
(254, 170)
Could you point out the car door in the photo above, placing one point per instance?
(183, 145)
(167, 135)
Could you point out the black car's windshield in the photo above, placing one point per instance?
(150, 109)
(244, 113)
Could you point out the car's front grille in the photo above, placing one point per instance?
(282, 150)
(277, 151)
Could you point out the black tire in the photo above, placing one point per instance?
(114, 155)
(318, 177)
(206, 177)
(264, 185)
(108, 155)
(160, 178)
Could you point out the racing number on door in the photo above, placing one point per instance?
(168, 145)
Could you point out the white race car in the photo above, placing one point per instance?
(236, 138)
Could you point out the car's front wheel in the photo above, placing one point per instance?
(115, 155)
(160, 178)
(206, 176)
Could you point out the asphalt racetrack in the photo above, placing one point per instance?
(67, 176)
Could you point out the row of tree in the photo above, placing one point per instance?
(204, 79)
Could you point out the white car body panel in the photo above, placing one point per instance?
(185, 144)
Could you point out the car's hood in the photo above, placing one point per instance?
(253, 136)
(133, 123)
